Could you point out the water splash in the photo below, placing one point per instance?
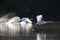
(3, 23)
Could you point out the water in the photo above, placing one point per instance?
(33, 34)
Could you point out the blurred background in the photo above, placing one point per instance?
(50, 9)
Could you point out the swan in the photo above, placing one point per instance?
(26, 25)
(39, 19)
(13, 25)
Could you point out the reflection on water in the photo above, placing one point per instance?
(41, 36)
(32, 35)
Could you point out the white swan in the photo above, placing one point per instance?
(26, 25)
(39, 19)
(13, 25)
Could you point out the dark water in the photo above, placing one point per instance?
(30, 37)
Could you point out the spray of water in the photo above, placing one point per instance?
(4, 22)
